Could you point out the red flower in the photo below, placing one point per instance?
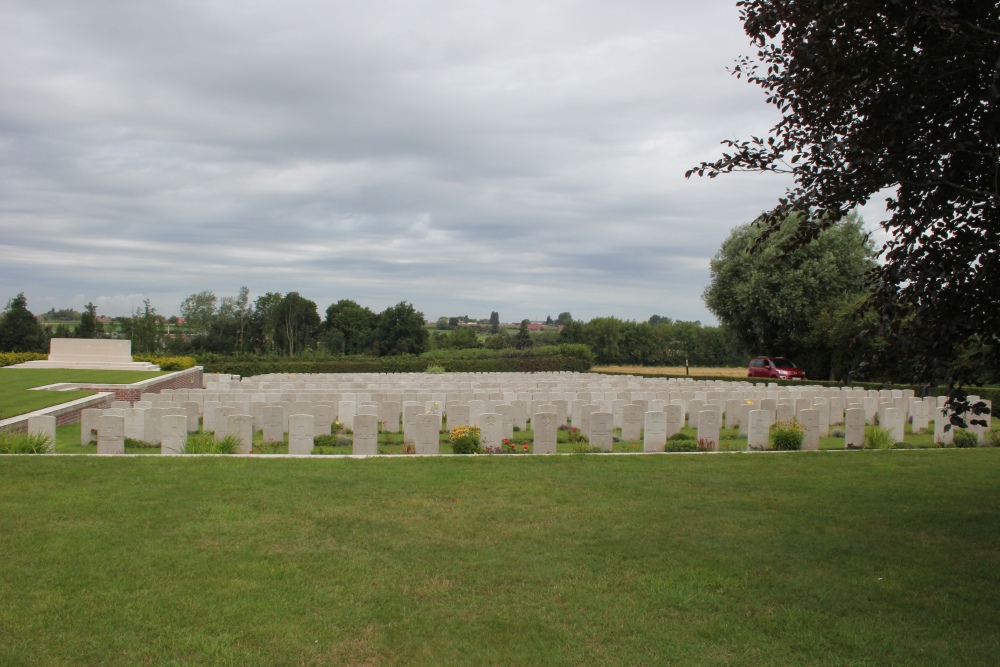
(525, 448)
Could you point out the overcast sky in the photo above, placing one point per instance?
(520, 156)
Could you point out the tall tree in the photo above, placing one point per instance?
(400, 330)
(355, 323)
(243, 313)
(198, 311)
(778, 304)
(899, 95)
(494, 322)
(89, 326)
(264, 321)
(143, 329)
(20, 331)
(522, 340)
(297, 323)
(564, 319)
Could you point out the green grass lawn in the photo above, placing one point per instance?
(862, 558)
(15, 399)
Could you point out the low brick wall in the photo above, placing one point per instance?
(65, 413)
(186, 379)
(69, 413)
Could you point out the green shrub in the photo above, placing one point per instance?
(465, 444)
(681, 445)
(12, 358)
(681, 436)
(168, 363)
(132, 442)
(332, 440)
(204, 443)
(435, 370)
(786, 435)
(24, 443)
(877, 437)
(964, 439)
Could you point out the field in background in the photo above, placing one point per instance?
(701, 371)
(581, 560)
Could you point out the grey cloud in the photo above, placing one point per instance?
(461, 156)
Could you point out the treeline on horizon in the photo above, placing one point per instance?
(289, 325)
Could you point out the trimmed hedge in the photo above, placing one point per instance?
(168, 363)
(575, 358)
(12, 358)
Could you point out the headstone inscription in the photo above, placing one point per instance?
(655, 431)
(174, 430)
(546, 425)
(110, 435)
(365, 435)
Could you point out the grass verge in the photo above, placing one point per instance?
(16, 399)
(717, 560)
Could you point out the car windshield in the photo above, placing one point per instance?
(783, 363)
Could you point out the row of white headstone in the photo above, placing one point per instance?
(285, 404)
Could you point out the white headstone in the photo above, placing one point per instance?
(709, 422)
(152, 421)
(44, 425)
(546, 425)
(365, 435)
(274, 424)
(602, 430)
(345, 413)
(135, 427)
(759, 434)
(389, 414)
(894, 423)
(428, 440)
(241, 427)
(854, 428)
(809, 418)
(88, 425)
(655, 432)
(941, 420)
(675, 418)
(110, 435)
(631, 422)
(174, 431)
(300, 434)
(491, 429)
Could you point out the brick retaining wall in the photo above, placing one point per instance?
(69, 413)
(187, 379)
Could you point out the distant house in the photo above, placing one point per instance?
(534, 327)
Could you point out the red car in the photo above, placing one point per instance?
(778, 368)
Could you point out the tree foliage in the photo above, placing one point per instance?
(143, 329)
(795, 303)
(297, 323)
(198, 311)
(400, 330)
(355, 323)
(899, 94)
(19, 330)
(522, 340)
(89, 326)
